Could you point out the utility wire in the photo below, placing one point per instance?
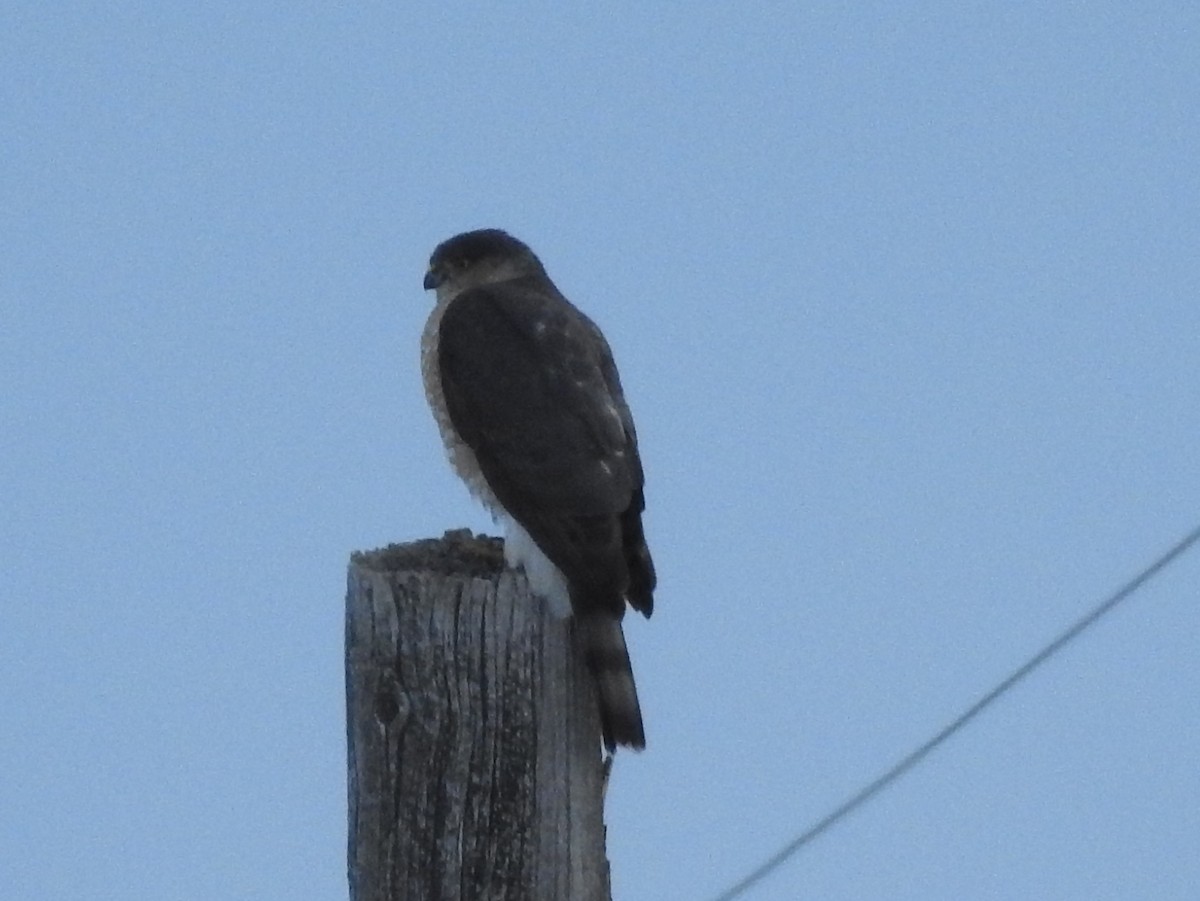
(915, 757)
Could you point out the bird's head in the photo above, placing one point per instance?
(476, 258)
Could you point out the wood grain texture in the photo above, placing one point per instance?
(474, 742)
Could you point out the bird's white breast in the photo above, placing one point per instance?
(545, 579)
(462, 458)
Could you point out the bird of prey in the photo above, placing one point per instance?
(526, 395)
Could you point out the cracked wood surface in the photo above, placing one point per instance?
(474, 743)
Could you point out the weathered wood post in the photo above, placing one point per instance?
(474, 740)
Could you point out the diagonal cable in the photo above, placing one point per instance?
(913, 758)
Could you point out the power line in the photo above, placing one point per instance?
(915, 757)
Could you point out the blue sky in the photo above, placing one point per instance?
(905, 301)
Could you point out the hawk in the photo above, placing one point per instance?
(526, 395)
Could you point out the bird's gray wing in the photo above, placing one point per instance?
(524, 373)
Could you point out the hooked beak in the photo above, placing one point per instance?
(432, 280)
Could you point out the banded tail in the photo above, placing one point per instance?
(603, 643)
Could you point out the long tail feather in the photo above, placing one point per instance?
(603, 643)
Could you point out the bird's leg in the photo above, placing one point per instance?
(605, 771)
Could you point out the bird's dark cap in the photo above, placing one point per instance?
(469, 248)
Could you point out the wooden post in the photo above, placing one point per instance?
(474, 740)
